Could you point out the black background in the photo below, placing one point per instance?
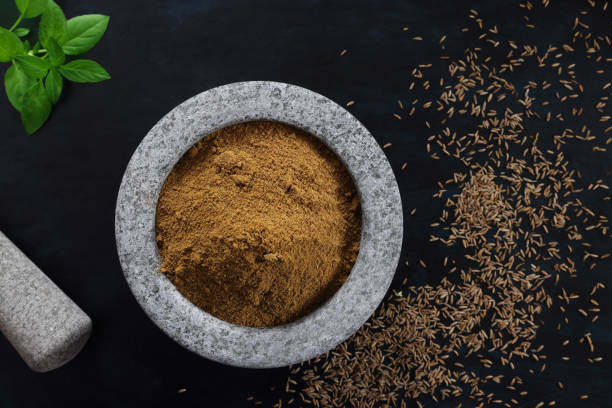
(58, 187)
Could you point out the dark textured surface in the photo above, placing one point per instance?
(59, 186)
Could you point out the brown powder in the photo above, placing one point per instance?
(258, 224)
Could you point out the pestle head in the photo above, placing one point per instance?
(43, 324)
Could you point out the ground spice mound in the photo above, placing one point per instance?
(258, 224)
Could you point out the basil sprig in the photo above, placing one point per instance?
(35, 79)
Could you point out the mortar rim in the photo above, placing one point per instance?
(322, 329)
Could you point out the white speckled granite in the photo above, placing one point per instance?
(39, 320)
(336, 319)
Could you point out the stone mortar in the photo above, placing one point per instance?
(335, 320)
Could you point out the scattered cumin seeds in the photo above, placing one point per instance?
(510, 201)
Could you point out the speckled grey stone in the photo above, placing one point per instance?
(336, 319)
(39, 320)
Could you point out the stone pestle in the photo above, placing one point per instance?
(43, 324)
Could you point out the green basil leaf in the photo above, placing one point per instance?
(36, 108)
(84, 32)
(52, 24)
(26, 46)
(83, 70)
(53, 86)
(16, 84)
(36, 47)
(32, 66)
(10, 45)
(56, 55)
(22, 31)
(32, 8)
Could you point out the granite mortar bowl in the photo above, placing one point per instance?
(336, 319)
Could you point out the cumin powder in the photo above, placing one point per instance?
(258, 224)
